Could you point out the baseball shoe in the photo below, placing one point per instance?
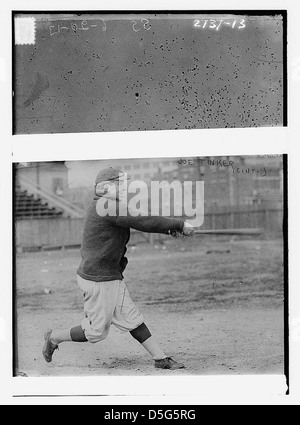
(49, 347)
(168, 363)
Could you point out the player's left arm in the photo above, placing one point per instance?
(151, 224)
(155, 224)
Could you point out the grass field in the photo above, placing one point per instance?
(214, 303)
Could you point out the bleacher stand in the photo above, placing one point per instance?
(30, 207)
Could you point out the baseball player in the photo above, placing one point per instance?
(100, 275)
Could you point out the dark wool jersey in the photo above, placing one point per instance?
(105, 239)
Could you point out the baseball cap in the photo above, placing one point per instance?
(111, 174)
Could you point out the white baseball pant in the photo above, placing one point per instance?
(106, 304)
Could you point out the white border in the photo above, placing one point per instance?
(25, 31)
(148, 144)
(236, 390)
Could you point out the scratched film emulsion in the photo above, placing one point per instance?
(100, 72)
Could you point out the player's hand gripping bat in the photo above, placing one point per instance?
(187, 230)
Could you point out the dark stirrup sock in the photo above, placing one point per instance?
(141, 334)
(78, 335)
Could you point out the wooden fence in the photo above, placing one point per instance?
(64, 232)
(268, 219)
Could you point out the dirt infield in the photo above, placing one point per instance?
(216, 304)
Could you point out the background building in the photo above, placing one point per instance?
(49, 176)
(248, 181)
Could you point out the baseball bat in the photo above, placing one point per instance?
(251, 231)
